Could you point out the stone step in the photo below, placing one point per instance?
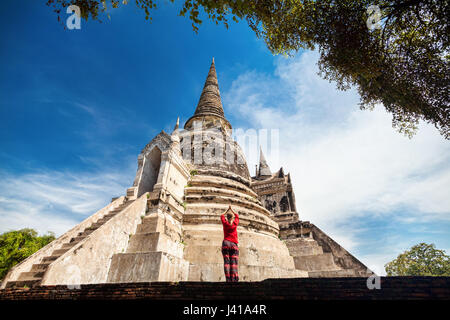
(115, 211)
(234, 200)
(60, 252)
(212, 191)
(151, 224)
(110, 215)
(219, 182)
(333, 273)
(30, 276)
(24, 283)
(92, 228)
(86, 232)
(318, 262)
(214, 272)
(95, 225)
(103, 220)
(154, 241)
(68, 245)
(107, 217)
(303, 247)
(50, 258)
(40, 267)
(77, 239)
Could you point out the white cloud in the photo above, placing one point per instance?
(346, 164)
(56, 201)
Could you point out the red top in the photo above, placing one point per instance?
(230, 230)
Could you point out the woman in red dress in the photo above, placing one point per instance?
(230, 250)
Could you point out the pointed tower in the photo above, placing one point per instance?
(177, 125)
(264, 169)
(207, 138)
(175, 137)
(209, 108)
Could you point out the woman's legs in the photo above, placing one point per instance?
(226, 259)
(234, 258)
(230, 253)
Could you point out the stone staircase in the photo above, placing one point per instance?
(309, 256)
(37, 272)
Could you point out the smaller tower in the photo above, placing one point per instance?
(175, 137)
(275, 192)
(264, 170)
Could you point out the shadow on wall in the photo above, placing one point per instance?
(150, 171)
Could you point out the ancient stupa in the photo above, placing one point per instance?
(167, 227)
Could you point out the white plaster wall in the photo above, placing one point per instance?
(176, 181)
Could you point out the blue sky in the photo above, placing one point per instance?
(77, 106)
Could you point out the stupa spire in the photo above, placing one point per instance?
(264, 169)
(210, 103)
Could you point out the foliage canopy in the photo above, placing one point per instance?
(17, 245)
(402, 63)
(421, 260)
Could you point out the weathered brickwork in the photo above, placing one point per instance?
(392, 288)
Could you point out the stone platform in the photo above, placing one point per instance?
(392, 288)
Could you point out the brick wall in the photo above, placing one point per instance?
(392, 288)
